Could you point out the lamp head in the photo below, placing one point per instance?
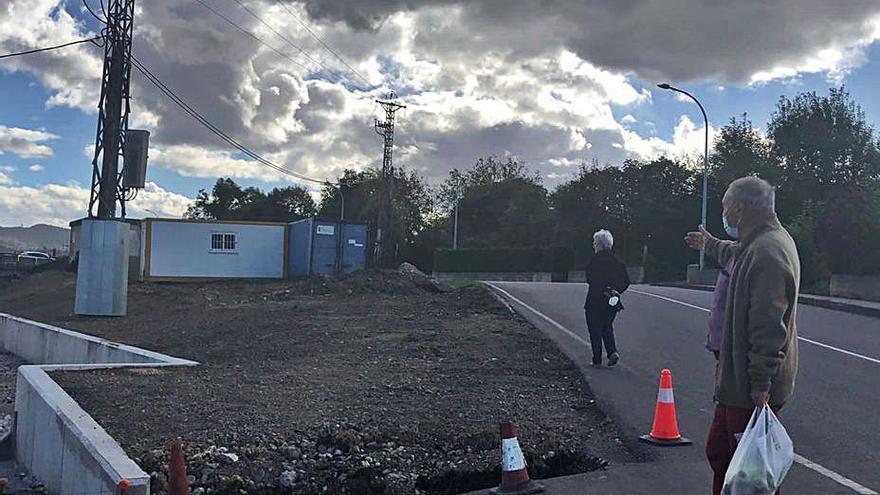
(664, 86)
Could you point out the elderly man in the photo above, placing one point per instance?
(605, 273)
(759, 352)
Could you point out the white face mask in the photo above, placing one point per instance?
(732, 231)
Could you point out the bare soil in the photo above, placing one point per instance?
(368, 384)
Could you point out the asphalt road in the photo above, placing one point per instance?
(833, 419)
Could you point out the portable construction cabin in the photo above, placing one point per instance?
(179, 249)
(326, 247)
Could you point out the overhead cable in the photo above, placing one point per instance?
(216, 130)
(48, 48)
(325, 45)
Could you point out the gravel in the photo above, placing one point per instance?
(374, 383)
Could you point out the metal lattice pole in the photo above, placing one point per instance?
(113, 110)
(385, 129)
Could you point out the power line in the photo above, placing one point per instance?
(325, 45)
(287, 40)
(252, 35)
(48, 48)
(216, 130)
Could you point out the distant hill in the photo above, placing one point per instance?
(38, 237)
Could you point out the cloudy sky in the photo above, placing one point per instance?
(555, 83)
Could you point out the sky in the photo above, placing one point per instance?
(555, 83)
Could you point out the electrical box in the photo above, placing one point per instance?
(134, 172)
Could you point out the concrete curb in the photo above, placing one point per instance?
(56, 440)
(807, 299)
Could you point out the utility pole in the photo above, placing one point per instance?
(102, 271)
(385, 129)
(113, 110)
(455, 227)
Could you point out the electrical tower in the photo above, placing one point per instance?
(113, 110)
(386, 252)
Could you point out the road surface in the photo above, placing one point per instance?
(833, 419)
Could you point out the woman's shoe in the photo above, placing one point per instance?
(613, 359)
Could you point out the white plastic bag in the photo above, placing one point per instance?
(762, 458)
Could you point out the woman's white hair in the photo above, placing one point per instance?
(604, 239)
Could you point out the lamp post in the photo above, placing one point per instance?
(705, 159)
(455, 216)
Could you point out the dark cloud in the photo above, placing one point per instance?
(658, 39)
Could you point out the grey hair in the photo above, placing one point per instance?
(753, 193)
(604, 239)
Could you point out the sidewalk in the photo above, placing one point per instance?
(635, 478)
(857, 306)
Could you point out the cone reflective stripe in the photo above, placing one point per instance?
(514, 474)
(665, 429)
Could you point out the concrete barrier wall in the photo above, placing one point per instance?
(856, 287)
(44, 344)
(56, 440)
(496, 276)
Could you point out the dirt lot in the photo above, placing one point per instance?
(371, 384)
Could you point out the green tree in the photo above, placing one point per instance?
(740, 150)
(644, 204)
(228, 201)
(362, 192)
(500, 203)
(821, 142)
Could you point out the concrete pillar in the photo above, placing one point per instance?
(102, 275)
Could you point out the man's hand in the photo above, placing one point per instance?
(760, 398)
(697, 240)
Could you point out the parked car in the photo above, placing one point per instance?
(34, 258)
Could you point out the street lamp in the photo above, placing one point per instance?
(705, 159)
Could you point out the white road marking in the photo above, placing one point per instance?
(818, 468)
(844, 351)
(811, 341)
(852, 485)
(542, 315)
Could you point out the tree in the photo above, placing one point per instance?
(821, 142)
(642, 203)
(501, 203)
(411, 206)
(228, 201)
(740, 150)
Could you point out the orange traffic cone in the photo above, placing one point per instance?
(177, 482)
(665, 430)
(514, 475)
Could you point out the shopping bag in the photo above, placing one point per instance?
(763, 457)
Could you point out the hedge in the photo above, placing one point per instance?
(554, 259)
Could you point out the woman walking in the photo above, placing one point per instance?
(607, 279)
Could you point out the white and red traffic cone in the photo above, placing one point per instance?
(665, 430)
(514, 474)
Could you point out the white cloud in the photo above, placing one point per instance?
(688, 140)
(6, 180)
(25, 142)
(57, 204)
(629, 119)
(36, 168)
(71, 74)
